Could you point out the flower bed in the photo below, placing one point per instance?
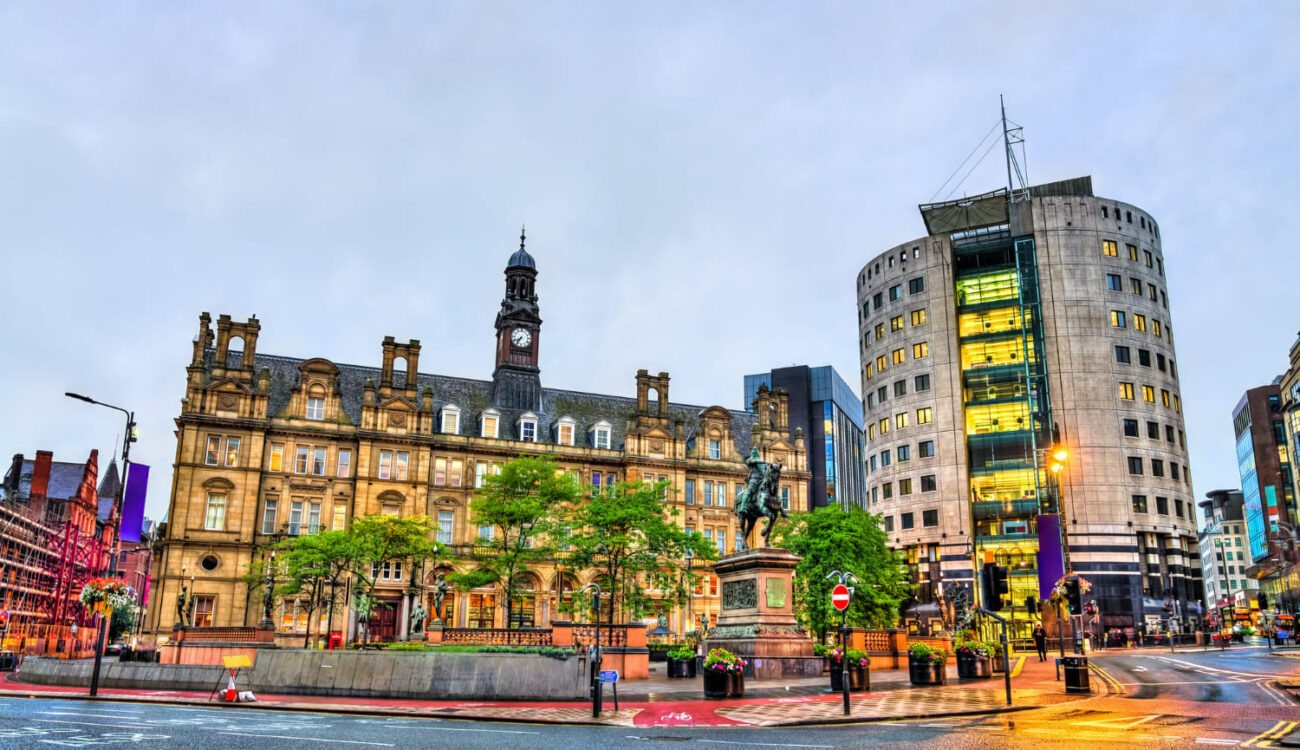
(974, 659)
(681, 662)
(857, 662)
(724, 675)
(926, 665)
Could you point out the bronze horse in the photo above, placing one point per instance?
(761, 497)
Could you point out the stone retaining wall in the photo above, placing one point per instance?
(391, 674)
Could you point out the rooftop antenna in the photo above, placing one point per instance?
(1014, 137)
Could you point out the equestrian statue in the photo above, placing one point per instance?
(761, 497)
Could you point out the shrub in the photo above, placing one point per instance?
(857, 657)
(974, 648)
(724, 661)
(682, 653)
(821, 649)
(926, 652)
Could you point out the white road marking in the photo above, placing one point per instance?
(1118, 722)
(96, 724)
(938, 725)
(760, 744)
(311, 739)
(1214, 741)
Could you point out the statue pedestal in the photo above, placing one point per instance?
(757, 620)
(433, 632)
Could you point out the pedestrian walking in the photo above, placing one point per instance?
(1040, 641)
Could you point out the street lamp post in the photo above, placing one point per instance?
(117, 506)
(596, 685)
(843, 580)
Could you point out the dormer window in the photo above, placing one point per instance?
(451, 419)
(527, 427)
(488, 423)
(315, 408)
(715, 448)
(600, 435)
(565, 429)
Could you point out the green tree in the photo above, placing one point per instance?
(830, 539)
(123, 622)
(521, 505)
(313, 566)
(376, 540)
(630, 535)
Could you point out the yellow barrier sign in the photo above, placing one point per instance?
(237, 661)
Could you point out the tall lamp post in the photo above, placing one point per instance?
(117, 507)
(1059, 456)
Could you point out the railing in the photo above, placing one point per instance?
(219, 635)
(610, 635)
(497, 636)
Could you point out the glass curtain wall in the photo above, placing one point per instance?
(1005, 406)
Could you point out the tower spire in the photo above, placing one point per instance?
(522, 235)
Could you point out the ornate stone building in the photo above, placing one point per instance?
(271, 446)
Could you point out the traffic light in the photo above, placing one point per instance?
(4, 621)
(993, 586)
(1169, 608)
(1073, 597)
(1262, 598)
(1031, 604)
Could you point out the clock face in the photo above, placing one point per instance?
(520, 337)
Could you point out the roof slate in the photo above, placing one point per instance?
(474, 396)
(64, 479)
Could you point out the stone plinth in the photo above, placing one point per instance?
(757, 620)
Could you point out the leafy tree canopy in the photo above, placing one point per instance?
(629, 535)
(830, 539)
(521, 505)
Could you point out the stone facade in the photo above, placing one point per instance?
(1085, 316)
(272, 446)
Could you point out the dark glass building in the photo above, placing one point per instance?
(830, 414)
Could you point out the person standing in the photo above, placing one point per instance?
(1040, 641)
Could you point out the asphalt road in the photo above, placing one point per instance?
(1169, 701)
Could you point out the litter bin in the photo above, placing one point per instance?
(1076, 674)
(8, 661)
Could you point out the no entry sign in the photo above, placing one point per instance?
(840, 597)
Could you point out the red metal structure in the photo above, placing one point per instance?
(53, 538)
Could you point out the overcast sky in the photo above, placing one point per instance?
(701, 183)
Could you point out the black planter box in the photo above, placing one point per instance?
(859, 679)
(926, 672)
(681, 667)
(975, 667)
(720, 684)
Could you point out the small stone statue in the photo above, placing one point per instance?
(441, 587)
(418, 616)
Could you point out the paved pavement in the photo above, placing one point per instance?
(662, 703)
(1146, 698)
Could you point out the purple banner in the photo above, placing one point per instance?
(137, 483)
(1051, 563)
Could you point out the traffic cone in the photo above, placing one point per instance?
(231, 693)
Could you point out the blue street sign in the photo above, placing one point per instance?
(608, 675)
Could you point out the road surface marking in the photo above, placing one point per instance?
(1277, 730)
(1214, 741)
(310, 739)
(760, 744)
(97, 724)
(1274, 693)
(1139, 669)
(1118, 722)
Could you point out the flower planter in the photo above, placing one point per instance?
(658, 655)
(997, 664)
(926, 672)
(859, 679)
(681, 668)
(974, 667)
(720, 683)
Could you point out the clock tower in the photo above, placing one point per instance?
(516, 381)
